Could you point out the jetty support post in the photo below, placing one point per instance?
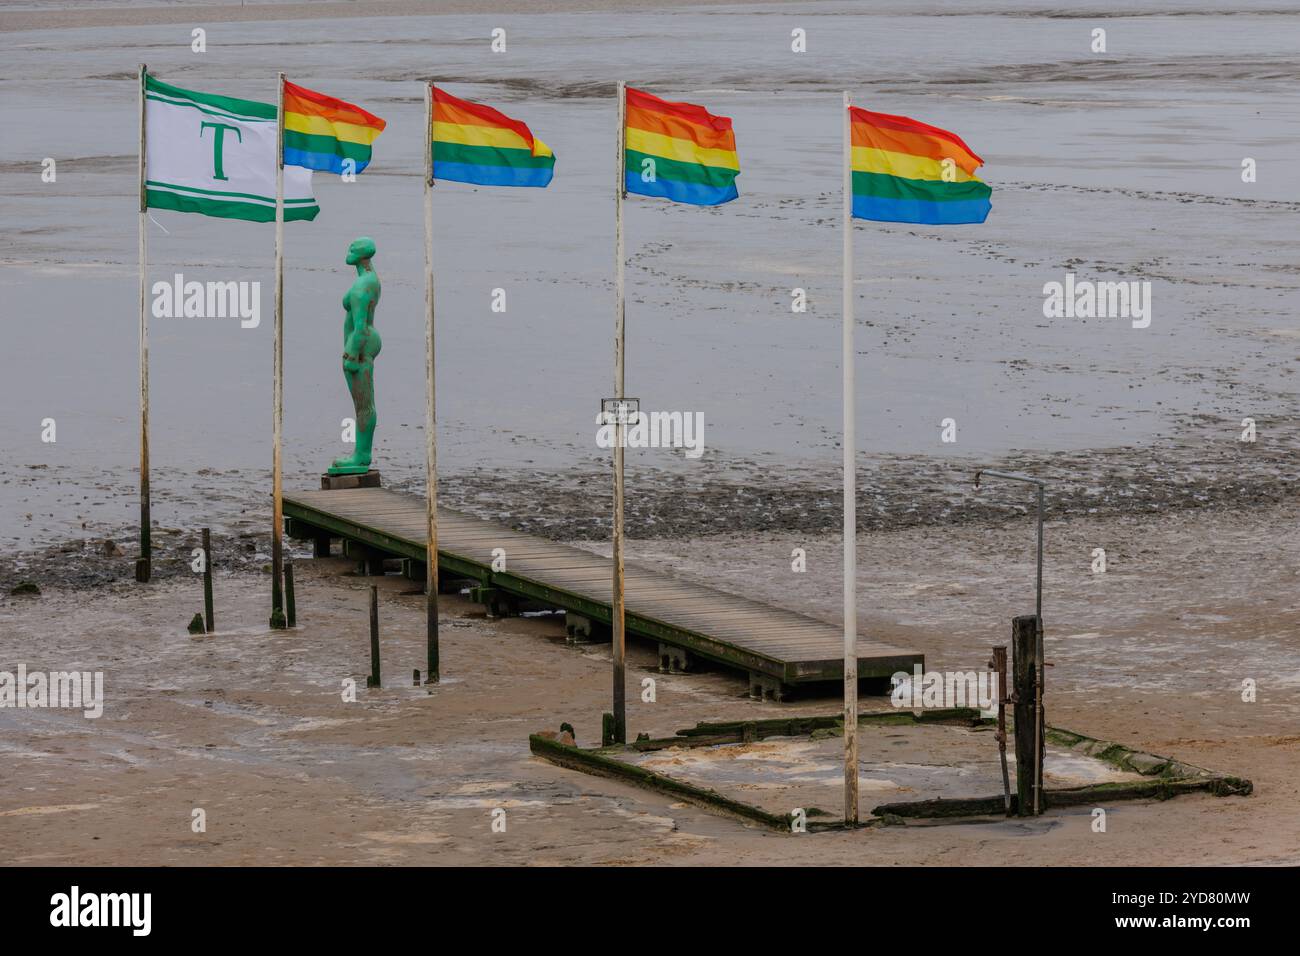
(374, 680)
(290, 604)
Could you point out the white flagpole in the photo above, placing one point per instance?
(850, 501)
(433, 674)
(620, 690)
(277, 506)
(144, 564)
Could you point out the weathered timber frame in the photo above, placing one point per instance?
(1167, 777)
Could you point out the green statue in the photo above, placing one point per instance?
(360, 348)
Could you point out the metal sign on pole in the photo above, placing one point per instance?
(277, 503)
(617, 619)
(431, 435)
(620, 410)
(850, 500)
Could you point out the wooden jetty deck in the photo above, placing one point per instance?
(779, 649)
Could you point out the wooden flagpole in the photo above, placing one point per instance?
(850, 500)
(433, 674)
(144, 564)
(618, 618)
(277, 504)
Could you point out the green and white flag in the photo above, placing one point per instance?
(215, 155)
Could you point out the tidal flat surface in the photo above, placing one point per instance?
(1123, 165)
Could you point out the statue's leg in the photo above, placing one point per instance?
(363, 399)
(352, 463)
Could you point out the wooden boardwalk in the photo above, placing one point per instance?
(777, 648)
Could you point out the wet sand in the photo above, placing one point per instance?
(250, 725)
(1123, 165)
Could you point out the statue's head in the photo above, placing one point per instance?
(362, 248)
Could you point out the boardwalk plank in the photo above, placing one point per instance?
(728, 627)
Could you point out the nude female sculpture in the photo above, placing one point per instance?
(361, 346)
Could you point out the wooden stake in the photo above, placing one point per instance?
(374, 679)
(277, 504)
(1038, 640)
(618, 620)
(999, 665)
(431, 418)
(144, 564)
(290, 605)
(1028, 713)
(850, 497)
(207, 579)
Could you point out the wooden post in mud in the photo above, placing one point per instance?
(433, 666)
(1028, 715)
(277, 366)
(850, 496)
(999, 665)
(207, 579)
(290, 605)
(144, 564)
(1037, 701)
(617, 618)
(373, 680)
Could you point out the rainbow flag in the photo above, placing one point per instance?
(679, 151)
(321, 132)
(905, 171)
(472, 143)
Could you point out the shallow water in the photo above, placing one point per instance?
(1122, 165)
